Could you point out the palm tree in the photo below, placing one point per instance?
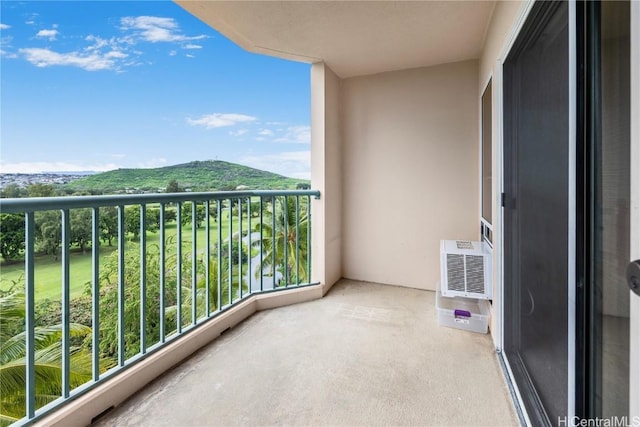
(48, 360)
(225, 293)
(284, 239)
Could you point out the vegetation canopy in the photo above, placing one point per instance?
(207, 175)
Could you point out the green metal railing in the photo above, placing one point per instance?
(268, 248)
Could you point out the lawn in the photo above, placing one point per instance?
(48, 271)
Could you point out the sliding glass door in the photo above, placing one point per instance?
(608, 181)
(572, 211)
(536, 211)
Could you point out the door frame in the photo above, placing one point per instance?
(634, 344)
(498, 96)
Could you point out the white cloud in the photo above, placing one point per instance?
(266, 132)
(37, 167)
(99, 42)
(238, 132)
(115, 54)
(218, 120)
(188, 55)
(46, 58)
(47, 34)
(4, 26)
(156, 29)
(31, 19)
(9, 55)
(295, 164)
(297, 135)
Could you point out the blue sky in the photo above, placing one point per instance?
(108, 84)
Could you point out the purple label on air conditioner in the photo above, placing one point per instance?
(461, 313)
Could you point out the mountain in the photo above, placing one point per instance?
(195, 176)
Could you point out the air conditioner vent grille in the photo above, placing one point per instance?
(464, 244)
(475, 274)
(465, 269)
(455, 272)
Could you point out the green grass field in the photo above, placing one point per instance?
(48, 271)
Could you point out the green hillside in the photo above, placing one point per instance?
(195, 176)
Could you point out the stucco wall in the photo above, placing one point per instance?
(326, 175)
(503, 20)
(410, 171)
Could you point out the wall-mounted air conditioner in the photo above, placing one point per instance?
(465, 269)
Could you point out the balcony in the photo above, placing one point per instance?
(183, 263)
(364, 354)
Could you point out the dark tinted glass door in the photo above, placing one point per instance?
(609, 151)
(536, 175)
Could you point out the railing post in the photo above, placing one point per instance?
(249, 232)
(308, 239)
(163, 257)
(219, 260)
(285, 243)
(261, 267)
(194, 263)
(143, 278)
(121, 285)
(229, 251)
(274, 244)
(29, 299)
(240, 245)
(66, 231)
(207, 257)
(297, 240)
(179, 267)
(95, 291)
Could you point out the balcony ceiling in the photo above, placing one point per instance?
(353, 37)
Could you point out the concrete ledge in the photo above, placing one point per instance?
(117, 389)
(283, 298)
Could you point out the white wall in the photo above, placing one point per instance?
(410, 171)
(503, 20)
(326, 176)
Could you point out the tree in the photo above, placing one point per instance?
(12, 191)
(49, 232)
(169, 214)
(132, 220)
(108, 223)
(11, 236)
(153, 219)
(41, 190)
(173, 187)
(81, 223)
(187, 214)
(255, 209)
(303, 186)
(48, 359)
(276, 241)
(237, 248)
(109, 295)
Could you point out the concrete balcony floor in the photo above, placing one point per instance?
(366, 354)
